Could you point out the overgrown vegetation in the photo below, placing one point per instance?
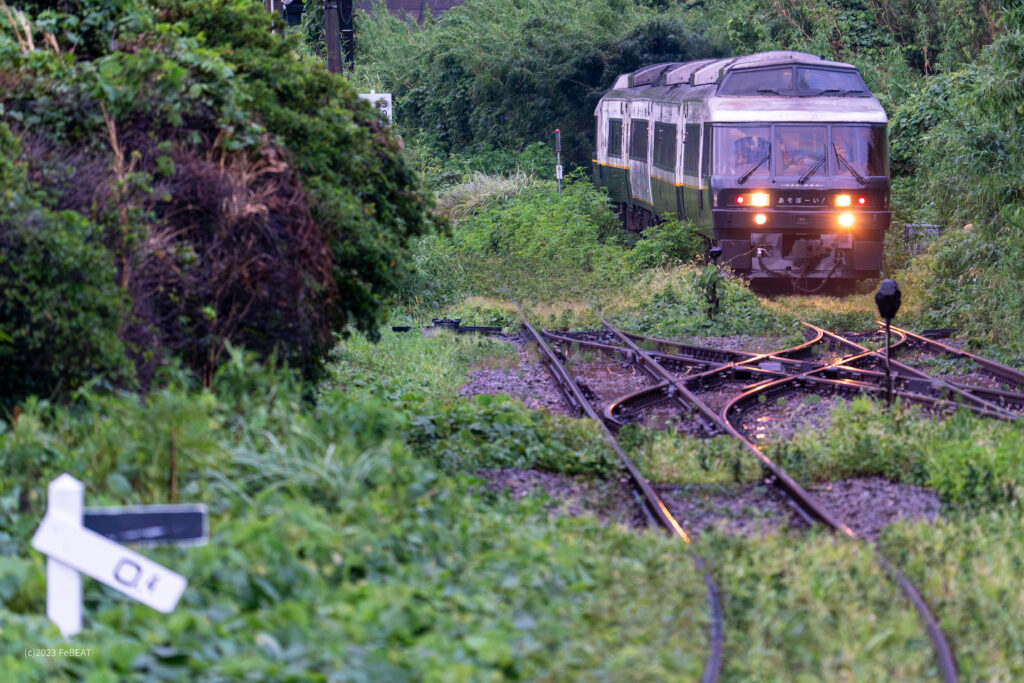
(506, 73)
(178, 183)
(229, 192)
(337, 542)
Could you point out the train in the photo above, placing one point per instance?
(780, 158)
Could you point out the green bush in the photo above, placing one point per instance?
(245, 196)
(60, 309)
(678, 307)
(337, 544)
(503, 73)
(543, 245)
(970, 462)
(671, 242)
(499, 432)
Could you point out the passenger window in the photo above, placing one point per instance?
(665, 146)
(829, 82)
(638, 140)
(758, 82)
(615, 137)
(860, 148)
(691, 149)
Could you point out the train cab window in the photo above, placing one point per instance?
(691, 149)
(860, 150)
(799, 151)
(758, 82)
(665, 146)
(615, 137)
(830, 82)
(638, 140)
(791, 81)
(742, 149)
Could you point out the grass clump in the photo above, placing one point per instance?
(543, 246)
(968, 461)
(406, 367)
(670, 242)
(813, 609)
(674, 306)
(968, 568)
(461, 200)
(666, 456)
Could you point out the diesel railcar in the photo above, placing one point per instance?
(780, 157)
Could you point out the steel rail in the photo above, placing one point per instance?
(903, 368)
(802, 497)
(702, 352)
(940, 645)
(1011, 375)
(575, 397)
(621, 352)
(811, 506)
(1000, 397)
(785, 356)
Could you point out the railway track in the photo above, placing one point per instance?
(679, 373)
(655, 509)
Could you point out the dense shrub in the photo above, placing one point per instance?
(501, 73)
(60, 307)
(244, 195)
(540, 243)
(678, 306)
(672, 241)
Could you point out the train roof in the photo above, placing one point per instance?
(699, 80)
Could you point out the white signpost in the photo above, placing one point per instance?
(73, 550)
(381, 101)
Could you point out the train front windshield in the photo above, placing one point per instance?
(790, 151)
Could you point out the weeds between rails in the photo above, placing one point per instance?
(849, 369)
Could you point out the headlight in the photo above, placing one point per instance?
(842, 200)
(760, 218)
(846, 220)
(759, 199)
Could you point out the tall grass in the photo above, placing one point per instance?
(469, 196)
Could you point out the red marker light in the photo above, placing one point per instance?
(862, 200)
(739, 200)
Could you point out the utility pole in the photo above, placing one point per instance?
(332, 35)
(348, 33)
(273, 7)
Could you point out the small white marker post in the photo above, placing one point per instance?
(73, 550)
(64, 583)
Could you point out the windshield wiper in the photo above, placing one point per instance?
(834, 91)
(769, 91)
(750, 171)
(849, 166)
(811, 170)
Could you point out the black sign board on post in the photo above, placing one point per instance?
(150, 524)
